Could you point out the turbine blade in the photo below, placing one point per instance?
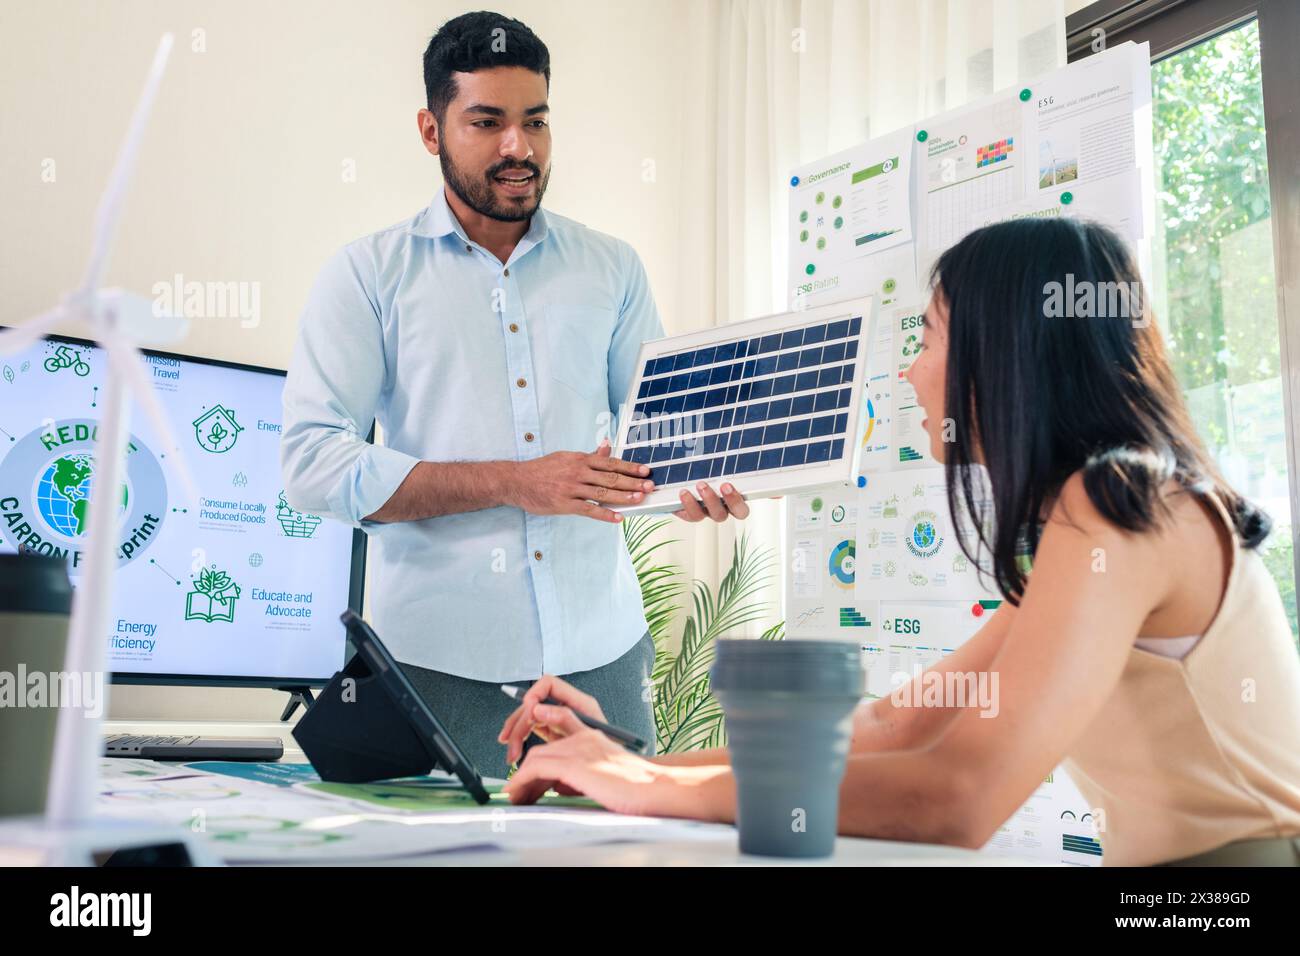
(23, 336)
(110, 203)
(127, 362)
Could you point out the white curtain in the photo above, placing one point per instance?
(783, 82)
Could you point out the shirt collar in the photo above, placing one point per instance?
(438, 220)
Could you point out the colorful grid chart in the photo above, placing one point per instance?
(994, 152)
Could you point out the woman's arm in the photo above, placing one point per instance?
(1059, 661)
(712, 757)
(885, 724)
(1061, 658)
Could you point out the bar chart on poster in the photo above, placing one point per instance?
(883, 562)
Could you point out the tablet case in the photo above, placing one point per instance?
(370, 724)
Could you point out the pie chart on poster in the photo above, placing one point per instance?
(871, 423)
(841, 564)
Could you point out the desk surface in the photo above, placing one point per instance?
(848, 851)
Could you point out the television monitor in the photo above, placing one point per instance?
(236, 588)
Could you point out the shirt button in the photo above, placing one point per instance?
(521, 382)
(469, 248)
(514, 327)
(507, 272)
(537, 555)
(528, 436)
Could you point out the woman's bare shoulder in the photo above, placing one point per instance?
(1179, 508)
(1182, 559)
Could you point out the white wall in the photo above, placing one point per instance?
(241, 174)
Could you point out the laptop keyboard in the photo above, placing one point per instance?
(131, 743)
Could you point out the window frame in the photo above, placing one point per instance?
(1171, 26)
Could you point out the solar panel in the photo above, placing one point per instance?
(770, 405)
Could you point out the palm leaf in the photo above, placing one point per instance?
(700, 721)
(661, 585)
(687, 715)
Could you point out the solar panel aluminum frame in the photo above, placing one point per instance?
(775, 482)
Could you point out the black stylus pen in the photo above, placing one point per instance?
(625, 737)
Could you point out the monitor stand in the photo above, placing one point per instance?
(297, 696)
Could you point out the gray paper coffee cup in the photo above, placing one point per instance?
(788, 707)
(35, 599)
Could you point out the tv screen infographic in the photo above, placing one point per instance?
(236, 584)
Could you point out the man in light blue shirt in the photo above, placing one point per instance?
(494, 344)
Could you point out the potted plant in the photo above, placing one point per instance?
(687, 715)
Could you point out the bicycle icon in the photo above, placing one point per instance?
(64, 357)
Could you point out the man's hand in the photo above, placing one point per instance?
(709, 505)
(579, 483)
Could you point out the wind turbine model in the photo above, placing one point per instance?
(70, 835)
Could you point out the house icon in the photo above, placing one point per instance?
(216, 429)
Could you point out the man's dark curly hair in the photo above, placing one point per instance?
(478, 41)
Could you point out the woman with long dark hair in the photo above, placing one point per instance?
(1142, 640)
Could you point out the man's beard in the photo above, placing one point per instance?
(480, 195)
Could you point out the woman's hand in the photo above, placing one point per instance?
(585, 761)
(527, 718)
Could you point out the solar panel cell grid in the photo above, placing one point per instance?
(750, 405)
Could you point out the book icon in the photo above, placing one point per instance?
(213, 597)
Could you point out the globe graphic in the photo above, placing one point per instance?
(923, 534)
(63, 491)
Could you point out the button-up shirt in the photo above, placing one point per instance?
(460, 357)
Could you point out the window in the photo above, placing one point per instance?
(1214, 266)
(1213, 282)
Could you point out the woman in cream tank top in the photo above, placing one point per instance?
(1141, 642)
(1190, 754)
